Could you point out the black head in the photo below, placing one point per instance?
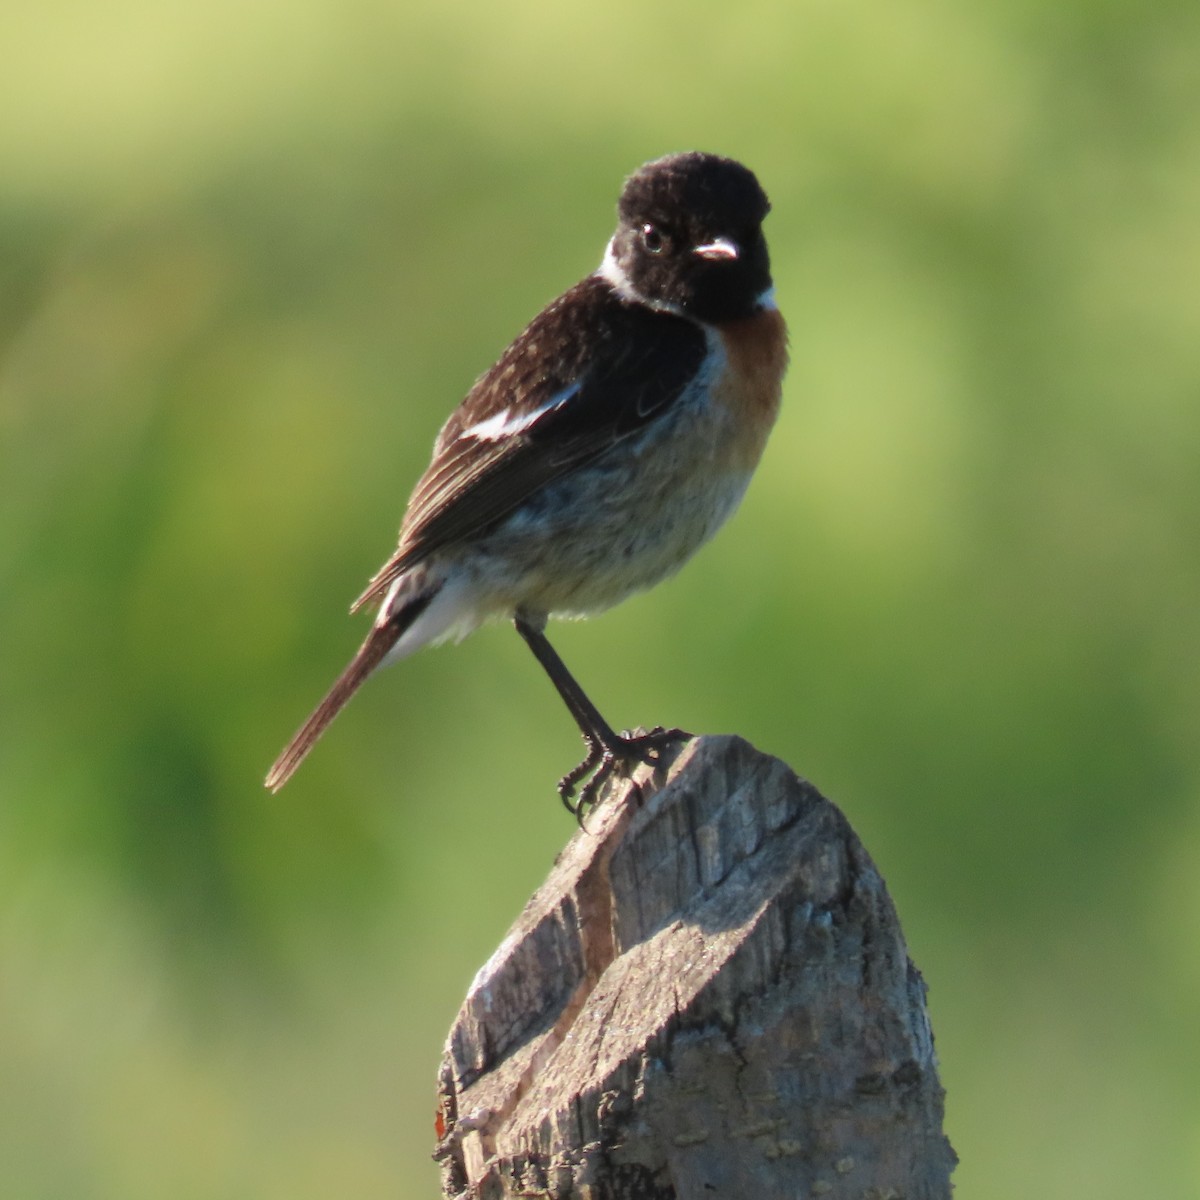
(690, 237)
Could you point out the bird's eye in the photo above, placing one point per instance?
(652, 238)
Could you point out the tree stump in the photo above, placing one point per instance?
(710, 997)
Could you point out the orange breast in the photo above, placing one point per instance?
(756, 357)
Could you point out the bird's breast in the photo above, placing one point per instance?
(750, 380)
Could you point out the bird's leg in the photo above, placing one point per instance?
(607, 751)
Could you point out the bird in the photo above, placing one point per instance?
(608, 442)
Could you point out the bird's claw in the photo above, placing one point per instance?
(603, 760)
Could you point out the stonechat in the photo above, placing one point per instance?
(605, 446)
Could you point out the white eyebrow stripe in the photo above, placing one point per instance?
(500, 425)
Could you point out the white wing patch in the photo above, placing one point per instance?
(502, 425)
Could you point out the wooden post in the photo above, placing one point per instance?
(708, 999)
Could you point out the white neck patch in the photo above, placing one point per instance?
(614, 275)
(766, 302)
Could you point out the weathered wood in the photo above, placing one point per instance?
(710, 997)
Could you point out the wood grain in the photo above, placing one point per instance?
(709, 997)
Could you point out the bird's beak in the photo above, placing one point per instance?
(717, 248)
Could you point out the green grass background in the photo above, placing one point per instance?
(250, 257)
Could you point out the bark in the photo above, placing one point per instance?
(709, 997)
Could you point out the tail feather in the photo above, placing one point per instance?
(370, 654)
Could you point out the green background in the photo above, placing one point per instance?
(250, 257)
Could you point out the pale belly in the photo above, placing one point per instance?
(617, 527)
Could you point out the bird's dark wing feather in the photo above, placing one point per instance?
(588, 371)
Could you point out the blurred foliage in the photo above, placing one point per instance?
(250, 257)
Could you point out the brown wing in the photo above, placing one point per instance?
(589, 371)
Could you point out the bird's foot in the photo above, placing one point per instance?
(605, 759)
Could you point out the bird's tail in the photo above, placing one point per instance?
(380, 641)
